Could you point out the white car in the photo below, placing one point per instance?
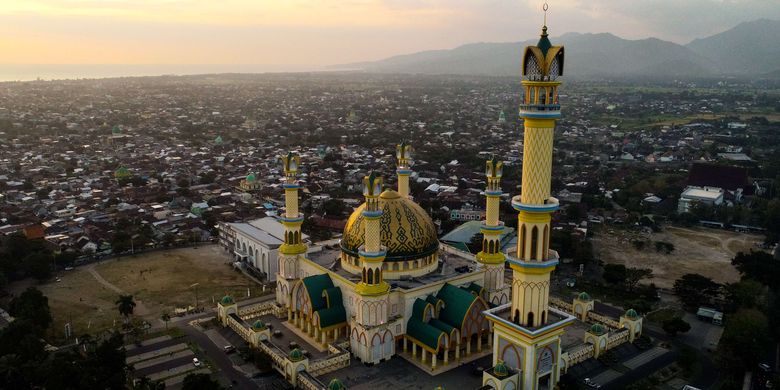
(196, 362)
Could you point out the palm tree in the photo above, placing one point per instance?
(125, 304)
(166, 317)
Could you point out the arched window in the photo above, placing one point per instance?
(370, 276)
(517, 317)
(365, 279)
(530, 319)
(534, 242)
(544, 314)
(484, 245)
(545, 243)
(490, 246)
(296, 237)
(521, 255)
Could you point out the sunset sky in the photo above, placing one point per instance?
(322, 32)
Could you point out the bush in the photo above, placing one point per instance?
(675, 325)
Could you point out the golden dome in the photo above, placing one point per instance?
(406, 229)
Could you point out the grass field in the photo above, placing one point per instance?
(158, 281)
(707, 252)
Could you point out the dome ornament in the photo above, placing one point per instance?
(545, 7)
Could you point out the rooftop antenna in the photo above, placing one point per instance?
(544, 7)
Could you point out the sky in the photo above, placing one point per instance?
(314, 33)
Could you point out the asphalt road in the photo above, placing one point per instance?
(219, 358)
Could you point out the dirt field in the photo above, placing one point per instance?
(159, 282)
(703, 251)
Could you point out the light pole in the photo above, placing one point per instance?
(195, 285)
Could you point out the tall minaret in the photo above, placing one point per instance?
(527, 332)
(293, 246)
(491, 257)
(372, 255)
(371, 303)
(542, 64)
(403, 153)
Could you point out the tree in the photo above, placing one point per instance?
(635, 275)
(126, 305)
(475, 244)
(334, 207)
(32, 305)
(695, 290)
(744, 294)
(675, 325)
(744, 341)
(165, 317)
(200, 382)
(38, 265)
(760, 266)
(615, 274)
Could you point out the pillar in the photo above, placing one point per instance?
(404, 344)
(414, 350)
(457, 351)
(468, 347)
(423, 355)
(433, 361)
(446, 355)
(479, 342)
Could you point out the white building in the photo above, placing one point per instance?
(710, 196)
(255, 242)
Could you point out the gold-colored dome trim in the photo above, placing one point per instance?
(405, 229)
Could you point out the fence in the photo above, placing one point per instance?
(562, 305)
(617, 338)
(606, 321)
(338, 358)
(307, 382)
(579, 355)
(261, 309)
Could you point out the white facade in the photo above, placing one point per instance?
(711, 196)
(257, 242)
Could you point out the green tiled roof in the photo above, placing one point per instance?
(326, 300)
(315, 284)
(424, 333)
(474, 288)
(332, 315)
(457, 302)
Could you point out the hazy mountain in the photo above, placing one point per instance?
(750, 47)
(594, 55)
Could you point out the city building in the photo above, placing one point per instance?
(710, 196)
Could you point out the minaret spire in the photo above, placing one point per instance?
(491, 257)
(403, 167)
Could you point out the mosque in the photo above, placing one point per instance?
(395, 290)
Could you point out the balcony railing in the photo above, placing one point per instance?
(540, 107)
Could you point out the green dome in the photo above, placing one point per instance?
(631, 313)
(500, 369)
(218, 140)
(121, 173)
(597, 329)
(335, 384)
(116, 130)
(227, 300)
(583, 296)
(296, 355)
(250, 178)
(258, 325)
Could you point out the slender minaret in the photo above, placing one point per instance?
(293, 246)
(527, 332)
(491, 257)
(372, 254)
(371, 303)
(403, 153)
(542, 64)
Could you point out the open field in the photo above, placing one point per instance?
(159, 282)
(701, 251)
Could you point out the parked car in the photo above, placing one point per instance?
(591, 384)
(229, 348)
(196, 362)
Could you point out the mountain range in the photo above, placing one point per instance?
(749, 50)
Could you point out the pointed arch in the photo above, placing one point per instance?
(521, 255)
(530, 319)
(534, 242)
(545, 242)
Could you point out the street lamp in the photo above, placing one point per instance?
(195, 285)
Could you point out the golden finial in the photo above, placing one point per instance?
(544, 7)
